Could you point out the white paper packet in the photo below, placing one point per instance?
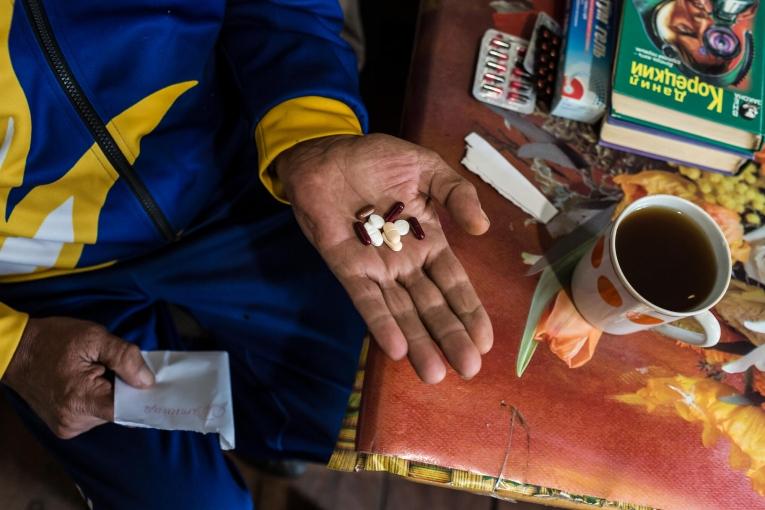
(485, 161)
(192, 392)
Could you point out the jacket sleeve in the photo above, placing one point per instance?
(297, 76)
(12, 324)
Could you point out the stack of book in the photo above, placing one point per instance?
(688, 83)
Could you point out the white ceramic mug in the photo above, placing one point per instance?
(606, 299)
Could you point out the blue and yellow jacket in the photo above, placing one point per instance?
(122, 123)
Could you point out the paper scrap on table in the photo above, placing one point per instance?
(485, 161)
(192, 392)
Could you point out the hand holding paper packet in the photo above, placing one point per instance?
(192, 392)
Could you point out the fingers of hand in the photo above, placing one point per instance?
(459, 197)
(423, 352)
(448, 274)
(126, 361)
(369, 301)
(444, 326)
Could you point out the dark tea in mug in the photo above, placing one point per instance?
(666, 257)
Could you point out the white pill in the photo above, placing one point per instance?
(402, 226)
(391, 234)
(393, 246)
(371, 228)
(376, 220)
(376, 237)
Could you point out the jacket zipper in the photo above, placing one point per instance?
(44, 34)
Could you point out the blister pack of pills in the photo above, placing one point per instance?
(500, 78)
(542, 57)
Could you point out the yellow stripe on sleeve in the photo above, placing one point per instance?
(12, 324)
(294, 121)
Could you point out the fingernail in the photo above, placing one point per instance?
(145, 377)
(485, 217)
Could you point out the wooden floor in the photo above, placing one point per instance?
(31, 480)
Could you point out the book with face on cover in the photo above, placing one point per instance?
(692, 68)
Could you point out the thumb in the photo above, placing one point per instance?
(459, 197)
(126, 361)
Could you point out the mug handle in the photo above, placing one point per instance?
(708, 338)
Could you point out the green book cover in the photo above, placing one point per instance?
(699, 57)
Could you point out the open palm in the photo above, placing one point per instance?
(414, 301)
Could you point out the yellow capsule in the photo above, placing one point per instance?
(705, 187)
(715, 178)
(741, 188)
(752, 219)
(750, 178)
(728, 202)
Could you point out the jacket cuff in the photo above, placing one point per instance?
(294, 121)
(12, 324)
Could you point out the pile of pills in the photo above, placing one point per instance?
(389, 229)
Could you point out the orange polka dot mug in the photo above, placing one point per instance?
(607, 300)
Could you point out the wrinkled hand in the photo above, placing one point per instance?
(59, 370)
(413, 301)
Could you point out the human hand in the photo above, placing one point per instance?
(59, 369)
(413, 301)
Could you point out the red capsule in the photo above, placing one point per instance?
(498, 42)
(416, 228)
(493, 78)
(498, 54)
(490, 89)
(519, 85)
(518, 98)
(517, 71)
(495, 65)
(394, 211)
(362, 234)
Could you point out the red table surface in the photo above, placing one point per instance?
(580, 439)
